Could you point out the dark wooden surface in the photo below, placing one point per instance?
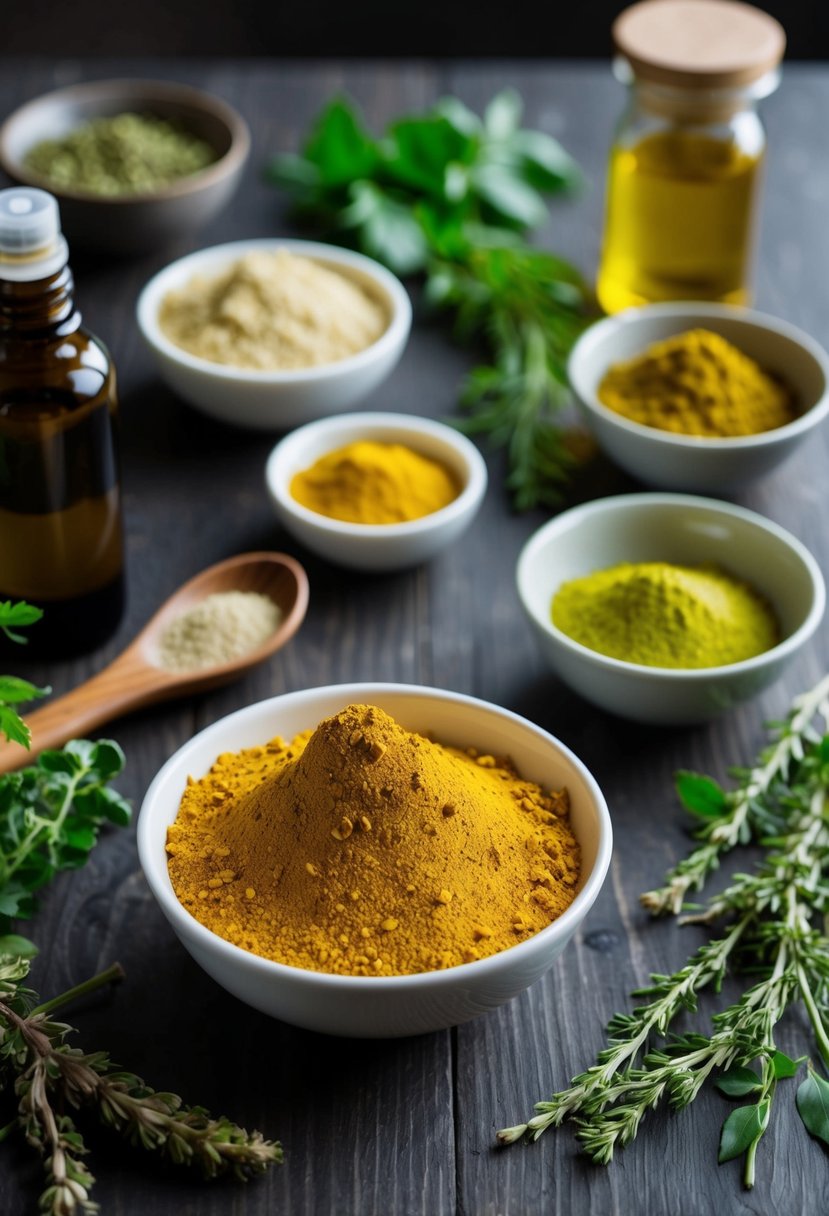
(407, 1127)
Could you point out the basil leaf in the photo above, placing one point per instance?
(422, 149)
(813, 1105)
(545, 163)
(513, 199)
(503, 114)
(742, 1127)
(339, 147)
(388, 229)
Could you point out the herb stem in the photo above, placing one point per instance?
(112, 975)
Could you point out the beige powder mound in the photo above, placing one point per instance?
(221, 627)
(273, 311)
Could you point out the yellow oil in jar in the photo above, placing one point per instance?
(679, 221)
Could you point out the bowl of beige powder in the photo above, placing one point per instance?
(272, 334)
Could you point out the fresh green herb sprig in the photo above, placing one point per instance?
(51, 1079)
(50, 815)
(774, 918)
(14, 691)
(452, 195)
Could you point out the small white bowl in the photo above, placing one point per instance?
(275, 400)
(376, 546)
(684, 530)
(385, 1007)
(691, 462)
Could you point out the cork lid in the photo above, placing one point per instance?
(699, 43)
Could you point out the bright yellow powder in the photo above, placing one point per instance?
(661, 615)
(375, 483)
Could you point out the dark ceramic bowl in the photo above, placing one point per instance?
(131, 223)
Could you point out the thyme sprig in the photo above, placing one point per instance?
(50, 1078)
(773, 918)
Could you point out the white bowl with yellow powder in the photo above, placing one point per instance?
(701, 463)
(424, 480)
(678, 531)
(270, 334)
(382, 1005)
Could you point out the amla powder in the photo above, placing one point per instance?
(273, 311)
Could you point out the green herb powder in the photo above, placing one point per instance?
(660, 615)
(123, 154)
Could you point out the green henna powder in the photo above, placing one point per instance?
(660, 615)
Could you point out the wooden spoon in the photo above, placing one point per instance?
(135, 678)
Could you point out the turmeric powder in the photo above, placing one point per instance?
(363, 849)
(697, 383)
(375, 483)
(660, 615)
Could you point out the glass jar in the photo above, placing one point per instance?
(686, 162)
(60, 505)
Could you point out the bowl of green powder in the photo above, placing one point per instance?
(668, 608)
(134, 164)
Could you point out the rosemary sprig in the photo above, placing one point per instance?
(774, 925)
(49, 1077)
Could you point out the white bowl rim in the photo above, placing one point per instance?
(478, 969)
(474, 486)
(656, 500)
(584, 351)
(217, 256)
(155, 90)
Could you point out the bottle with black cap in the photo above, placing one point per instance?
(61, 544)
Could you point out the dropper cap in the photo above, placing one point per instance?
(31, 244)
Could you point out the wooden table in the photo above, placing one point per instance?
(405, 1127)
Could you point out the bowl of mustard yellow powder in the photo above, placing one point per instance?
(134, 164)
(374, 860)
(376, 491)
(699, 397)
(668, 608)
(270, 334)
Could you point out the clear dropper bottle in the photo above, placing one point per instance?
(61, 544)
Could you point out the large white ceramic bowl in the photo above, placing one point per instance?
(276, 400)
(684, 530)
(385, 1007)
(376, 546)
(690, 462)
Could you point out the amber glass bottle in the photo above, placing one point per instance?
(60, 510)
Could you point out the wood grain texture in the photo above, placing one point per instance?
(407, 1127)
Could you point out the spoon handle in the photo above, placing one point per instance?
(125, 684)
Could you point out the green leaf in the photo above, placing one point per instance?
(813, 1105)
(15, 946)
(14, 690)
(293, 171)
(61, 760)
(737, 1082)
(505, 192)
(13, 727)
(19, 613)
(465, 121)
(340, 147)
(546, 164)
(742, 1127)
(422, 151)
(784, 1066)
(503, 114)
(106, 760)
(701, 795)
(388, 229)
